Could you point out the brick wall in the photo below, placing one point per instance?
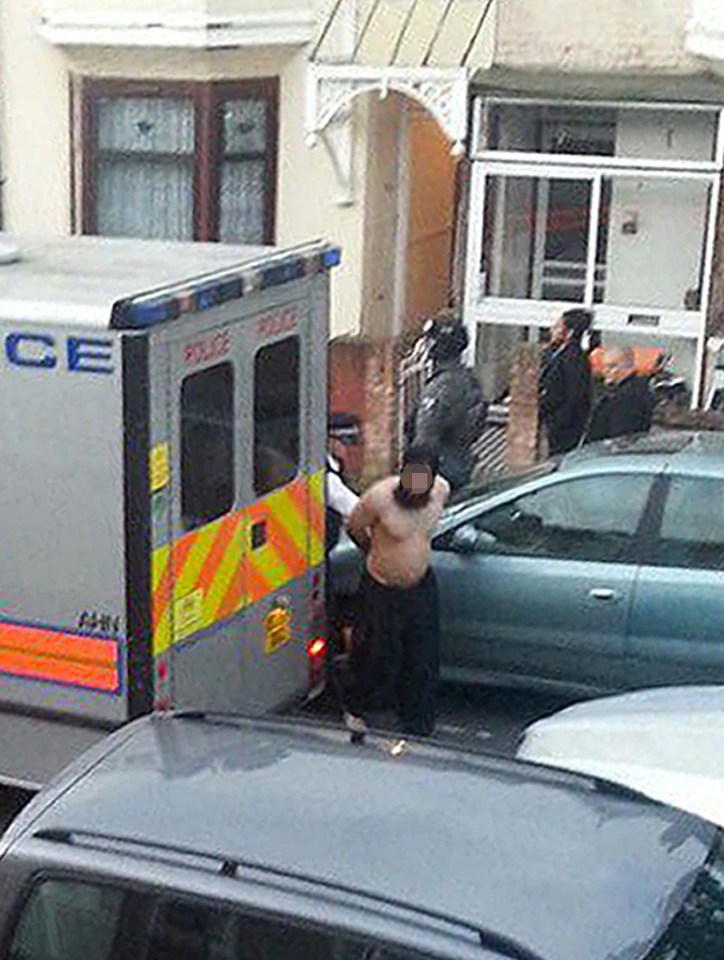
(523, 420)
(362, 381)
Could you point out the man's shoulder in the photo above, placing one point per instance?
(381, 489)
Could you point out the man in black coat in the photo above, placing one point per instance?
(627, 406)
(565, 383)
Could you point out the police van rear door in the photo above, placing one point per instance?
(198, 569)
(284, 491)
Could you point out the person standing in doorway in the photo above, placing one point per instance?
(398, 637)
(627, 406)
(565, 383)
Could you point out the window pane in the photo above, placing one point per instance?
(242, 201)
(207, 445)
(276, 414)
(692, 528)
(146, 125)
(145, 198)
(651, 239)
(190, 931)
(194, 931)
(536, 238)
(144, 170)
(594, 518)
(245, 123)
(601, 131)
(68, 921)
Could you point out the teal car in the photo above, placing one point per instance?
(602, 571)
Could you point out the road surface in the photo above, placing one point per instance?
(489, 719)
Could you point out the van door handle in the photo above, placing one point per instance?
(602, 593)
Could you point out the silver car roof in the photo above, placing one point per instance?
(541, 856)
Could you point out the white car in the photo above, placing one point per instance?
(667, 743)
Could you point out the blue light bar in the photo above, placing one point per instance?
(151, 312)
(284, 272)
(332, 257)
(140, 313)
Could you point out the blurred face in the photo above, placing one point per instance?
(559, 332)
(416, 478)
(617, 367)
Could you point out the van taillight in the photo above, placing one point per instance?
(316, 648)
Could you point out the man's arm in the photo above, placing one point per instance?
(361, 520)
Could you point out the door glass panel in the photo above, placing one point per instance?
(276, 415)
(692, 528)
(536, 238)
(68, 921)
(651, 243)
(207, 445)
(592, 518)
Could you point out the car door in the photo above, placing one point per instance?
(676, 631)
(546, 591)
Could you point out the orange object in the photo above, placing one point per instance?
(72, 658)
(647, 361)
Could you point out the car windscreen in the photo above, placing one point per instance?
(697, 930)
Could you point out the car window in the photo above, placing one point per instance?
(64, 920)
(588, 518)
(196, 931)
(692, 525)
(68, 920)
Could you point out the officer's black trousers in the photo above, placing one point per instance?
(397, 646)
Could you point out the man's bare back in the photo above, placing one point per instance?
(396, 537)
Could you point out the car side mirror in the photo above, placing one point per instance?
(468, 539)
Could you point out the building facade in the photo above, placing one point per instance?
(512, 158)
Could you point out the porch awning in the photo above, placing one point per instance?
(705, 89)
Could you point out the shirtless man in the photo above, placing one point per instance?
(399, 631)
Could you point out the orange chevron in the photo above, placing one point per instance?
(234, 594)
(218, 551)
(258, 585)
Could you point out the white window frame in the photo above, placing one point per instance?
(481, 309)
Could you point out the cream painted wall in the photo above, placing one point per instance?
(594, 35)
(36, 138)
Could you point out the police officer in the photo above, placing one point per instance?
(450, 413)
(343, 432)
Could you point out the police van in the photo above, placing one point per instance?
(162, 441)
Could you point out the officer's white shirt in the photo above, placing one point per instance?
(339, 496)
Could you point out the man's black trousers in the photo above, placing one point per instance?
(397, 647)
